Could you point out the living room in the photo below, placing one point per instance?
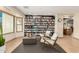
(20, 22)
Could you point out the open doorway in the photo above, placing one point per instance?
(67, 26)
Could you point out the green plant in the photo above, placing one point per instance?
(2, 40)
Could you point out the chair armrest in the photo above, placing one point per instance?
(41, 35)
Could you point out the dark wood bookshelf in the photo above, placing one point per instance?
(36, 24)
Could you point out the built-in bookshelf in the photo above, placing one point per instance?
(35, 25)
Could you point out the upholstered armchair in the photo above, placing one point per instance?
(44, 35)
(47, 39)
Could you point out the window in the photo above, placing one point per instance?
(7, 23)
(19, 24)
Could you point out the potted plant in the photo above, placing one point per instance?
(2, 41)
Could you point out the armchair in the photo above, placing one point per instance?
(49, 40)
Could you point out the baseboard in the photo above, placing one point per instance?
(76, 38)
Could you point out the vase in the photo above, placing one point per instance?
(2, 49)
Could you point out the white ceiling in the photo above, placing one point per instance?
(48, 10)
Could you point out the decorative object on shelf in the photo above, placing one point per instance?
(59, 20)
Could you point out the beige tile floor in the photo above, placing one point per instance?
(69, 44)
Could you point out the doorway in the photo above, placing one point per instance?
(67, 26)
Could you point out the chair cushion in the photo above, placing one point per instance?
(54, 36)
(48, 34)
(51, 33)
(51, 42)
(41, 35)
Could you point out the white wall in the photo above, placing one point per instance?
(76, 26)
(59, 25)
(15, 34)
(56, 22)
